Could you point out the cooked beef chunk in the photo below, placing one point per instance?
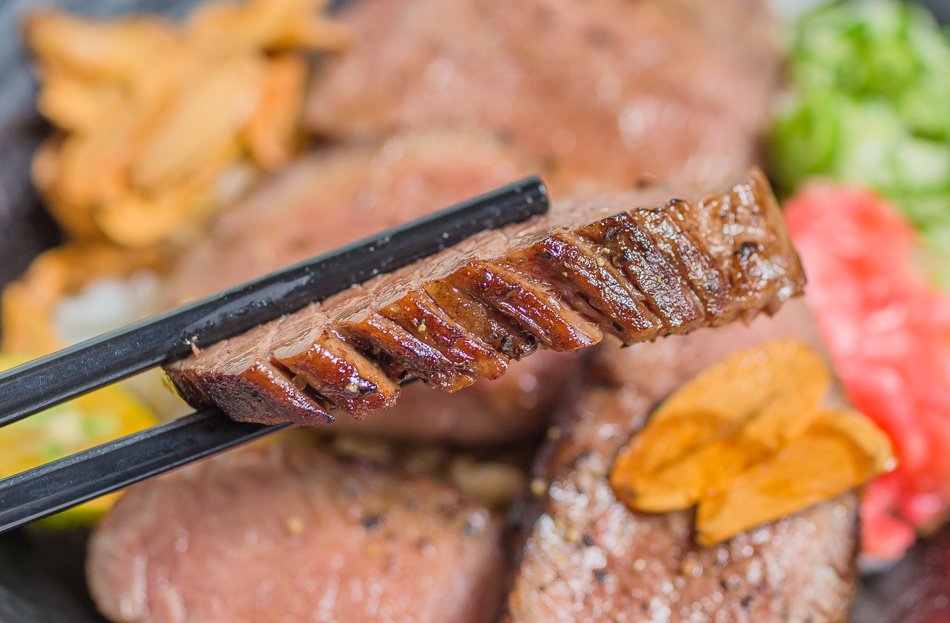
(560, 282)
(604, 93)
(287, 534)
(587, 557)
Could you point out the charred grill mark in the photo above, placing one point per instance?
(481, 321)
(743, 216)
(380, 334)
(536, 310)
(418, 313)
(342, 375)
(593, 285)
(688, 255)
(634, 252)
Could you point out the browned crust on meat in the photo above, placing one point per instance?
(559, 283)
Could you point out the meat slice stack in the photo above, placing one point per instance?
(587, 557)
(621, 265)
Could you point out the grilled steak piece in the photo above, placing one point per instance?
(604, 93)
(587, 557)
(559, 282)
(287, 534)
(342, 194)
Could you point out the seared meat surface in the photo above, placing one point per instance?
(615, 265)
(587, 557)
(342, 194)
(287, 534)
(602, 93)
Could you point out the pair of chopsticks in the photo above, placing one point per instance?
(48, 381)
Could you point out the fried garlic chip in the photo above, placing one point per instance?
(840, 450)
(749, 441)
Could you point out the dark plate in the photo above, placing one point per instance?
(41, 572)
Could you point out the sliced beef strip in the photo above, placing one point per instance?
(342, 194)
(290, 534)
(587, 557)
(603, 93)
(352, 350)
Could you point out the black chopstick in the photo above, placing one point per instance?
(86, 475)
(64, 483)
(50, 380)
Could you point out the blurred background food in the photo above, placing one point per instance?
(66, 429)
(171, 139)
(866, 105)
(161, 124)
(861, 142)
(888, 331)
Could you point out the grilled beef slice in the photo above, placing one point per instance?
(600, 266)
(288, 534)
(342, 194)
(604, 93)
(587, 557)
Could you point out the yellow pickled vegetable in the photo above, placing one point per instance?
(82, 423)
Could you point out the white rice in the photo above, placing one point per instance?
(109, 303)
